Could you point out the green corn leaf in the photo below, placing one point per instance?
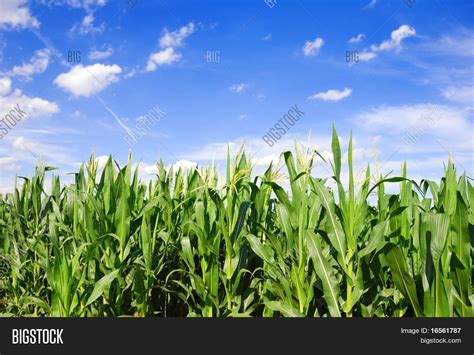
(101, 286)
(325, 272)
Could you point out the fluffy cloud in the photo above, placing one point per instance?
(169, 41)
(311, 48)
(5, 85)
(332, 95)
(238, 87)
(97, 55)
(166, 56)
(33, 106)
(395, 42)
(37, 65)
(392, 44)
(15, 14)
(360, 37)
(176, 38)
(89, 80)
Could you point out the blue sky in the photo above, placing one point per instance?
(409, 95)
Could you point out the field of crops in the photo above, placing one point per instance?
(286, 243)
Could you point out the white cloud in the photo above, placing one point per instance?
(86, 3)
(97, 55)
(176, 38)
(15, 14)
(21, 143)
(184, 165)
(146, 172)
(258, 151)
(462, 94)
(395, 42)
(360, 37)
(367, 56)
(442, 121)
(332, 95)
(33, 106)
(169, 41)
(424, 135)
(238, 87)
(166, 56)
(37, 65)
(267, 37)
(5, 85)
(86, 26)
(89, 80)
(76, 4)
(311, 48)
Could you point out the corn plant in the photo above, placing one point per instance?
(284, 243)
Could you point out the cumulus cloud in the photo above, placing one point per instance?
(37, 65)
(238, 87)
(176, 38)
(332, 95)
(395, 42)
(33, 106)
(16, 14)
(169, 41)
(88, 80)
(166, 56)
(311, 48)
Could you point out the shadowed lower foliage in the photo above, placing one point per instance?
(186, 245)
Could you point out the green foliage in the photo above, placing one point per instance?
(182, 245)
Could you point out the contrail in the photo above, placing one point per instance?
(115, 116)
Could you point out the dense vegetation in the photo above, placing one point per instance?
(186, 245)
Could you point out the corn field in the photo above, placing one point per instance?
(285, 243)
